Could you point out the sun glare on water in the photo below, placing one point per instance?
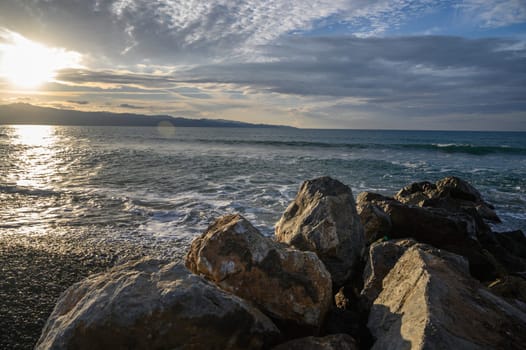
(28, 64)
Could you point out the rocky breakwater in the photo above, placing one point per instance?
(419, 270)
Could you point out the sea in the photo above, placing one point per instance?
(162, 186)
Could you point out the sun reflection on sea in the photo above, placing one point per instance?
(36, 160)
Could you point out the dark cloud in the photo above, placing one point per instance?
(425, 75)
(129, 106)
(412, 74)
(78, 102)
(84, 76)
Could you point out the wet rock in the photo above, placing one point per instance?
(381, 259)
(429, 301)
(291, 286)
(150, 305)
(450, 193)
(323, 219)
(329, 342)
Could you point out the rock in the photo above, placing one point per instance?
(291, 286)
(510, 288)
(350, 322)
(329, 342)
(455, 231)
(514, 242)
(429, 301)
(455, 187)
(382, 258)
(323, 219)
(450, 193)
(151, 305)
(376, 223)
(417, 193)
(341, 300)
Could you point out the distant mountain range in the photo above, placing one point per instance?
(23, 113)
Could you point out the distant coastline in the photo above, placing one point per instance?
(24, 114)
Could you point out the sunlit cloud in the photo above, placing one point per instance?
(28, 64)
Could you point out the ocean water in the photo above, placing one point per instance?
(165, 185)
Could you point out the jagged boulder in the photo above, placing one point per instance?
(450, 193)
(456, 231)
(323, 219)
(429, 301)
(511, 288)
(514, 242)
(381, 259)
(291, 286)
(152, 305)
(376, 223)
(329, 342)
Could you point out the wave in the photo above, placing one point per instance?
(299, 144)
(468, 148)
(446, 148)
(28, 191)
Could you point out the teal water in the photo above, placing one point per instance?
(150, 184)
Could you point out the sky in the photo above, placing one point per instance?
(357, 64)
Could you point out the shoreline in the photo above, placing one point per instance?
(31, 281)
(36, 270)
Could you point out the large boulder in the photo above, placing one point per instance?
(513, 241)
(291, 286)
(382, 257)
(429, 301)
(329, 342)
(509, 248)
(511, 288)
(376, 223)
(456, 231)
(152, 305)
(323, 219)
(450, 193)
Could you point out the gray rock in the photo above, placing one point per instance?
(429, 301)
(376, 223)
(457, 231)
(329, 342)
(450, 193)
(150, 305)
(323, 219)
(291, 286)
(381, 259)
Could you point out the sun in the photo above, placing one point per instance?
(27, 64)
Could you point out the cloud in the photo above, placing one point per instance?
(194, 32)
(402, 76)
(495, 13)
(328, 61)
(130, 106)
(82, 102)
(428, 72)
